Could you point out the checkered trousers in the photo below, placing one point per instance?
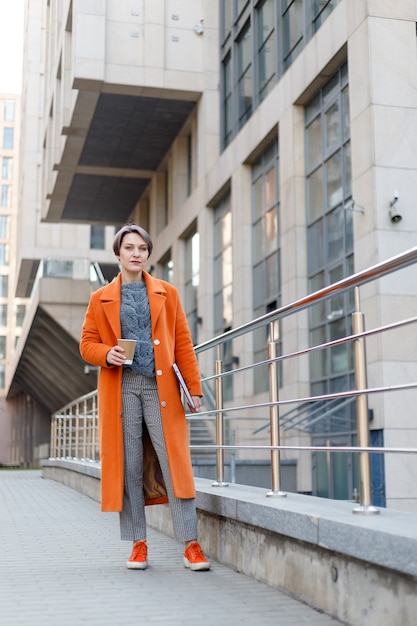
(141, 404)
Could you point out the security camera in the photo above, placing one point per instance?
(199, 28)
(395, 216)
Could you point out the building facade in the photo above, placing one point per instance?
(262, 144)
(12, 310)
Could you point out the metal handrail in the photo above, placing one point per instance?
(62, 443)
(400, 261)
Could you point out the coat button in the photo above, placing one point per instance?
(157, 342)
(159, 372)
(163, 403)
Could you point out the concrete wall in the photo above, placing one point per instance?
(358, 568)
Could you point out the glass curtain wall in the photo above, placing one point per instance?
(192, 279)
(330, 258)
(260, 39)
(265, 252)
(223, 285)
(97, 237)
(167, 268)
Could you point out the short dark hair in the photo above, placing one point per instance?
(131, 228)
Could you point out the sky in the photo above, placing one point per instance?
(11, 45)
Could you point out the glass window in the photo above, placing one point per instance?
(265, 226)
(335, 234)
(2, 376)
(240, 5)
(317, 312)
(168, 269)
(244, 74)
(6, 168)
(3, 314)
(329, 232)
(318, 357)
(189, 164)
(223, 266)
(223, 285)
(227, 101)
(6, 196)
(259, 39)
(315, 246)
(272, 275)
(266, 277)
(266, 48)
(4, 254)
(58, 268)
(257, 196)
(293, 28)
(226, 17)
(4, 226)
(345, 113)
(2, 347)
(4, 285)
(20, 314)
(321, 10)
(334, 306)
(8, 138)
(97, 237)
(330, 90)
(192, 279)
(334, 180)
(271, 187)
(333, 126)
(271, 231)
(314, 148)
(315, 195)
(9, 109)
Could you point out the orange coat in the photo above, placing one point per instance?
(171, 339)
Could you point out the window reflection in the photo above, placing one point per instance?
(260, 39)
(329, 236)
(245, 75)
(293, 27)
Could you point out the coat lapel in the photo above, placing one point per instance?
(110, 298)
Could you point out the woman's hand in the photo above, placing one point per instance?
(197, 404)
(115, 356)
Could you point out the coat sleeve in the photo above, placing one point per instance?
(92, 348)
(185, 356)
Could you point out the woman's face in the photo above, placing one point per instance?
(133, 255)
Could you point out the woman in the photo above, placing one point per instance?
(144, 451)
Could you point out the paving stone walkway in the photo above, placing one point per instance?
(62, 563)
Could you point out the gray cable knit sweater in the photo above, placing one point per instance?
(135, 320)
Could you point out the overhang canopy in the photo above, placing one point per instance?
(113, 147)
(50, 368)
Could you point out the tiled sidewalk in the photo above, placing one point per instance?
(62, 562)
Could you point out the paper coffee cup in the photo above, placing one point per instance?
(129, 349)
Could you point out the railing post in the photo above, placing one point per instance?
(358, 326)
(219, 423)
(233, 457)
(62, 437)
(95, 453)
(52, 448)
(86, 433)
(68, 426)
(77, 431)
(274, 419)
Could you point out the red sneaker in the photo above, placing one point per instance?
(194, 558)
(139, 556)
